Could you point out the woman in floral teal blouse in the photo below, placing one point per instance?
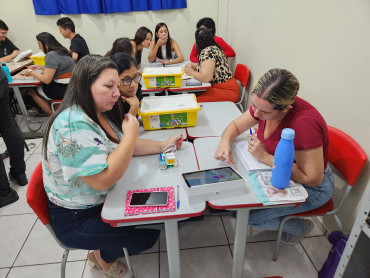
(84, 155)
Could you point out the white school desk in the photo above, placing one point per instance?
(144, 172)
(13, 67)
(213, 118)
(204, 149)
(16, 84)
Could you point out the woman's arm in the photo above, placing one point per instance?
(119, 159)
(206, 72)
(145, 147)
(45, 77)
(233, 130)
(154, 49)
(176, 47)
(308, 167)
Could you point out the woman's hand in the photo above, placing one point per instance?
(256, 148)
(223, 152)
(36, 67)
(188, 69)
(177, 140)
(131, 100)
(162, 41)
(25, 72)
(160, 60)
(130, 125)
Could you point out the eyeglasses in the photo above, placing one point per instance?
(127, 80)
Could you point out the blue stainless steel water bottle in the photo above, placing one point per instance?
(283, 159)
(6, 69)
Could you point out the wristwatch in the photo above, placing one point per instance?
(29, 71)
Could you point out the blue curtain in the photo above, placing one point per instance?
(53, 7)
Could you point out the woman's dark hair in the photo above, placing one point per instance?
(204, 38)
(121, 45)
(123, 62)
(84, 74)
(168, 43)
(52, 44)
(207, 22)
(140, 35)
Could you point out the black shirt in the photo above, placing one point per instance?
(7, 48)
(138, 57)
(79, 46)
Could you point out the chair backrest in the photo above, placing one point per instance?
(346, 155)
(242, 74)
(36, 195)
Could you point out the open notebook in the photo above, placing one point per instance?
(248, 160)
(135, 210)
(270, 195)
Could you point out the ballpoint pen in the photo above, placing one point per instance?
(250, 131)
(178, 197)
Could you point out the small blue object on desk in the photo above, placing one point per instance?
(250, 131)
(178, 197)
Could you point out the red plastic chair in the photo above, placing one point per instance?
(242, 75)
(347, 156)
(36, 198)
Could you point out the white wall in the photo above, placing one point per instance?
(326, 45)
(101, 30)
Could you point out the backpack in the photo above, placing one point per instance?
(339, 241)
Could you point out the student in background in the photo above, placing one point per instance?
(212, 67)
(208, 22)
(78, 172)
(56, 72)
(121, 45)
(122, 48)
(142, 39)
(8, 50)
(164, 49)
(15, 145)
(129, 84)
(78, 46)
(275, 106)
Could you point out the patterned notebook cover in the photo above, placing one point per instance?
(130, 210)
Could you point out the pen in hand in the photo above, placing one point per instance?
(178, 197)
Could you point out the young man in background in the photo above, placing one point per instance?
(8, 50)
(78, 47)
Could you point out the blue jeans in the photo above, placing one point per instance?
(269, 218)
(84, 229)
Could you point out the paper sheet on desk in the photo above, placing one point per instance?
(248, 160)
(270, 195)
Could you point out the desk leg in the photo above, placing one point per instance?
(242, 217)
(173, 248)
(18, 95)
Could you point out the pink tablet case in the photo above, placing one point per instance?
(130, 210)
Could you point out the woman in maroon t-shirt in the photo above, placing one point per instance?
(275, 106)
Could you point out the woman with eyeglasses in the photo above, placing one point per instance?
(275, 106)
(84, 154)
(129, 86)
